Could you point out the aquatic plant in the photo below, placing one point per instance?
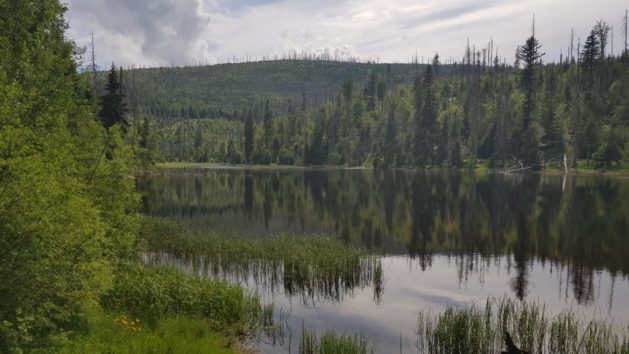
(307, 266)
(333, 343)
(152, 293)
(482, 329)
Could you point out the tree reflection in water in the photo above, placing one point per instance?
(478, 220)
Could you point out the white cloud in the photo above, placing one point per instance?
(186, 31)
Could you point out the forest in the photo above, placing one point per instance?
(77, 146)
(526, 115)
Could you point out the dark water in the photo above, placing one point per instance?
(447, 239)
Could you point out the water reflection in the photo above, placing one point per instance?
(578, 225)
(289, 278)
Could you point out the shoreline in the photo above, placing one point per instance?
(480, 170)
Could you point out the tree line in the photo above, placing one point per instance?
(524, 116)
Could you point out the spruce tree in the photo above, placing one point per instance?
(529, 54)
(113, 108)
(590, 57)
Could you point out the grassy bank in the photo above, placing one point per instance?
(306, 266)
(161, 310)
(151, 293)
(480, 329)
(111, 333)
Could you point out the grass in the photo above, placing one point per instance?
(306, 266)
(161, 310)
(111, 333)
(533, 329)
(152, 293)
(333, 343)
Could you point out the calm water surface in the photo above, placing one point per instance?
(447, 239)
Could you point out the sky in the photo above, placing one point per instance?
(188, 32)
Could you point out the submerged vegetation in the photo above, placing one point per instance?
(534, 329)
(310, 267)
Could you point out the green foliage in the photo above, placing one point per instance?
(402, 115)
(201, 140)
(151, 293)
(109, 333)
(514, 118)
(113, 108)
(222, 91)
(611, 149)
(66, 212)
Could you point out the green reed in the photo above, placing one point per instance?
(152, 293)
(333, 343)
(481, 330)
(306, 266)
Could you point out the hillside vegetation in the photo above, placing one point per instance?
(528, 115)
(223, 90)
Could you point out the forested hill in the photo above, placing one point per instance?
(531, 114)
(217, 91)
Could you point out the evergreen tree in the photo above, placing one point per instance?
(425, 119)
(268, 126)
(113, 108)
(590, 57)
(390, 139)
(248, 136)
(370, 91)
(529, 54)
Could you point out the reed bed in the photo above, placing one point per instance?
(153, 293)
(481, 330)
(333, 343)
(306, 266)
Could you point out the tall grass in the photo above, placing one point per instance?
(533, 329)
(333, 343)
(151, 293)
(111, 333)
(310, 267)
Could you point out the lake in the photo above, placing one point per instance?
(445, 239)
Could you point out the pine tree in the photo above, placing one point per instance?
(113, 108)
(529, 54)
(590, 57)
